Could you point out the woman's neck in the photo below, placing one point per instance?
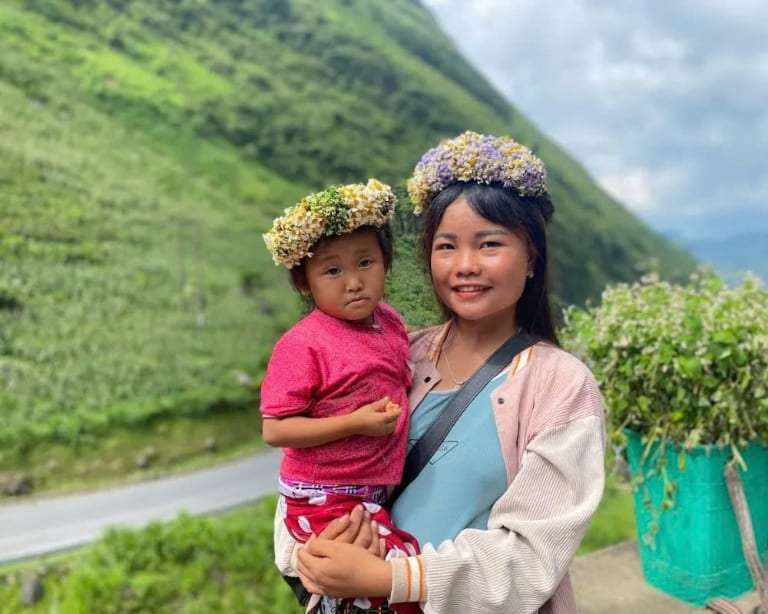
(483, 337)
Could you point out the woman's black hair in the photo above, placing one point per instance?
(527, 217)
(386, 243)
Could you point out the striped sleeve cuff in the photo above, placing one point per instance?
(407, 580)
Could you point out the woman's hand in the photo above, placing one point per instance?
(337, 569)
(358, 529)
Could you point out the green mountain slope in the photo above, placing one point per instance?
(145, 146)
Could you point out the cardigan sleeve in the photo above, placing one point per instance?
(534, 528)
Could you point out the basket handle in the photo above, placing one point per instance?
(746, 531)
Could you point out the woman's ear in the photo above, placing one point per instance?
(531, 266)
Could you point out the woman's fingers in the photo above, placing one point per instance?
(306, 575)
(312, 565)
(336, 527)
(344, 530)
(365, 535)
(376, 546)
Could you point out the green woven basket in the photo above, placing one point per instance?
(695, 554)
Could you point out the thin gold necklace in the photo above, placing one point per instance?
(448, 342)
(450, 373)
(444, 354)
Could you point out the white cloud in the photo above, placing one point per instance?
(665, 103)
(641, 189)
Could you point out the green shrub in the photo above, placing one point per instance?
(208, 564)
(686, 364)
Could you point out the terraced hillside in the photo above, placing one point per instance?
(145, 146)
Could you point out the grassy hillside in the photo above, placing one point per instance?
(145, 146)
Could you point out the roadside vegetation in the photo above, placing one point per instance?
(219, 563)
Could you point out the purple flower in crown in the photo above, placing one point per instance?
(428, 158)
(476, 157)
(444, 173)
(489, 151)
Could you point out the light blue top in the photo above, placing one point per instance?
(462, 480)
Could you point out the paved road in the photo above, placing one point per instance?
(33, 528)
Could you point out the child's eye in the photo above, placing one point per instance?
(333, 271)
(365, 263)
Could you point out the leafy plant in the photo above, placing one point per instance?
(221, 563)
(680, 365)
(685, 363)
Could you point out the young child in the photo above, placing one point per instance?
(335, 393)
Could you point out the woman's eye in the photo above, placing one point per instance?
(490, 244)
(442, 246)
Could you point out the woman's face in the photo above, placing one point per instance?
(478, 268)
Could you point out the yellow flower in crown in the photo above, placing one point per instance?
(332, 212)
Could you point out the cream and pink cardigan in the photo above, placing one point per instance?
(551, 428)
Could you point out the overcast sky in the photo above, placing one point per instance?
(665, 103)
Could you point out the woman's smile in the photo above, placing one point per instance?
(470, 291)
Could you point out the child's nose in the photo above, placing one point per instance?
(354, 283)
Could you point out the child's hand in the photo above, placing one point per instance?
(376, 419)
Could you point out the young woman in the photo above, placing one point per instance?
(502, 506)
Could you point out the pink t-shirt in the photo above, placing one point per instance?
(325, 366)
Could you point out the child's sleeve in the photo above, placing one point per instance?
(292, 379)
(403, 342)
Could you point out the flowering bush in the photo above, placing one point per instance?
(683, 364)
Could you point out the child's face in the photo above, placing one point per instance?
(346, 276)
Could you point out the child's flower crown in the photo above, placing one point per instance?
(335, 211)
(476, 157)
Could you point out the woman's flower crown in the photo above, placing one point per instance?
(335, 211)
(476, 157)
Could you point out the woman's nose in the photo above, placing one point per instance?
(466, 262)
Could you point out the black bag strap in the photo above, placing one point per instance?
(430, 441)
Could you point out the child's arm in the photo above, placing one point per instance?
(375, 419)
